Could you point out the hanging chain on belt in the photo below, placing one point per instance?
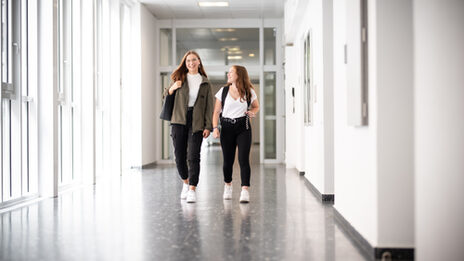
(246, 121)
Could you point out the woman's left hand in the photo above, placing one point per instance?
(251, 114)
(206, 133)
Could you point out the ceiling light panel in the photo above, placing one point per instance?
(213, 4)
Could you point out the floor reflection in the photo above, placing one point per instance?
(141, 217)
(83, 224)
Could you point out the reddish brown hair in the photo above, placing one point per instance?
(181, 72)
(243, 82)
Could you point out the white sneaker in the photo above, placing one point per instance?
(244, 196)
(185, 189)
(191, 196)
(227, 192)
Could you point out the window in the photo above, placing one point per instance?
(165, 47)
(269, 102)
(269, 46)
(66, 102)
(18, 177)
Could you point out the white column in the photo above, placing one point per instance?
(394, 144)
(47, 99)
(439, 129)
(87, 93)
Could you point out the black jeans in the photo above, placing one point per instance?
(187, 146)
(233, 135)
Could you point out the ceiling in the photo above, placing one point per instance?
(189, 9)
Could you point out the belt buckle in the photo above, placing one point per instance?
(233, 121)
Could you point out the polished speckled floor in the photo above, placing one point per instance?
(140, 217)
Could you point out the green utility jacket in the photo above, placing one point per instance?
(202, 109)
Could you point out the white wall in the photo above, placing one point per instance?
(294, 154)
(439, 129)
(387, 180)
(310, 149)
(355, 161)
(373, 164)
(150, 86)
(294, 129)
(314, 134)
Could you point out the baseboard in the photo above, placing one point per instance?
(366, 249)
(328, 198)
(149, 165)
(394, 253)
(324, 198)
(358, 240)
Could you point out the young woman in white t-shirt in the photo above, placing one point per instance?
(239, 105)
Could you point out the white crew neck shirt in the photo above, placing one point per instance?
(194, 81)
(234, 108)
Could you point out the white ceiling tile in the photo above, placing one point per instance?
(189, 9)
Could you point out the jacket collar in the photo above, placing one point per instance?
(203, 79)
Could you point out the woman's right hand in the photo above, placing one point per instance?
(175, 86)
(216, 133)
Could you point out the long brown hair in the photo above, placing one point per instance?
(181, 72)
(243, 82)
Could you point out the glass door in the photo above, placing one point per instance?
(167, 150)
(254, 47)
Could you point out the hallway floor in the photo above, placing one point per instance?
(141, 217)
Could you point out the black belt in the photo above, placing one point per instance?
(190, 109)
(233, 121)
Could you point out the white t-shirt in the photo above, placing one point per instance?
(234, 108)
(194, 81)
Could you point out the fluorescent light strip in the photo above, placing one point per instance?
(224, 30)
(228, 39)
(213, 4)
(237, 57)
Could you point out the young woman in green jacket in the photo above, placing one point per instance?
(191, 119)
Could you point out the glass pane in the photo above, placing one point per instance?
(269, 46)
(6, 145)
(217, 79)
(165, 47)
(270, 139)
(269, 93)
(5, 43)
(65, 120)
(220, 46)
(167, 149)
